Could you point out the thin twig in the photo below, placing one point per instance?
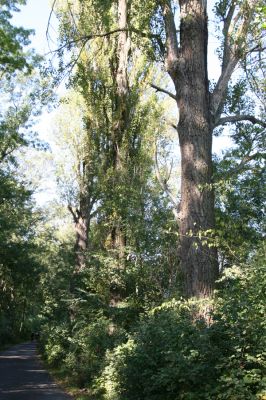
(164, 186)
(49, 22)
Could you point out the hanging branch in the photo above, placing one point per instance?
(163, 183)
(49, 22)
(234, 48)
(72, 16)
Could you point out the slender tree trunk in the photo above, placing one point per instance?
(22, 321)
(187, 66)
(120, 117)
(118, 237)
(81, 223)
(81, 228)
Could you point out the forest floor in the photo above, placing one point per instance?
(23, 377)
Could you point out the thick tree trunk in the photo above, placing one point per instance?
(187, 66)
(198, 260)
(118, 238)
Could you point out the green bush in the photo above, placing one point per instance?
(175, 355)
(171, 356)
(79, 351)
(240, 310)
(87, 350)
(54, 343)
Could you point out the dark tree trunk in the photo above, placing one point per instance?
(187, 66)
(81, 221)
(81, 228)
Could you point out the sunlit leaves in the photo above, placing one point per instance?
(12, 39)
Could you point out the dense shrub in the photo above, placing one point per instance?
(240, 311)
(175, 355)
(87, 349)
(172, 353)
(79, 351)
(54, 343)
(171, 356)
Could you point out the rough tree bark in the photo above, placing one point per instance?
(187, 66)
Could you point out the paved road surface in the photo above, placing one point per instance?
(22, 376)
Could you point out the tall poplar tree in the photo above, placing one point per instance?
(111, 75)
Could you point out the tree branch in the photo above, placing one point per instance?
(158, 89)
(5, 153)
(227, 24)
(234, 50)
(246, 159)
(72, 16)
(71, 65)
(238, 118)
(256, 49)
(171, 58)
(74, 215)
(218, 95)
(49, 21)
(164, 186)
(243, 164)
(84, 39)
(174, 126)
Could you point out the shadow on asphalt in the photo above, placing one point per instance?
(22, 376)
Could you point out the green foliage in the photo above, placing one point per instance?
(239, 176)
(19, 270)
(169, 357)
(145, 18)
(21, 98)
(241, 313)
(111, 325)
(174, 354)
(12, 39)
(88, 346)
(221, 8)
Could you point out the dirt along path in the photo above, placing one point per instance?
(22, 376)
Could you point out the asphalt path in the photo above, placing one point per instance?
(22, 376)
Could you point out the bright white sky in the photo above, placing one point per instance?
(35, 16)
